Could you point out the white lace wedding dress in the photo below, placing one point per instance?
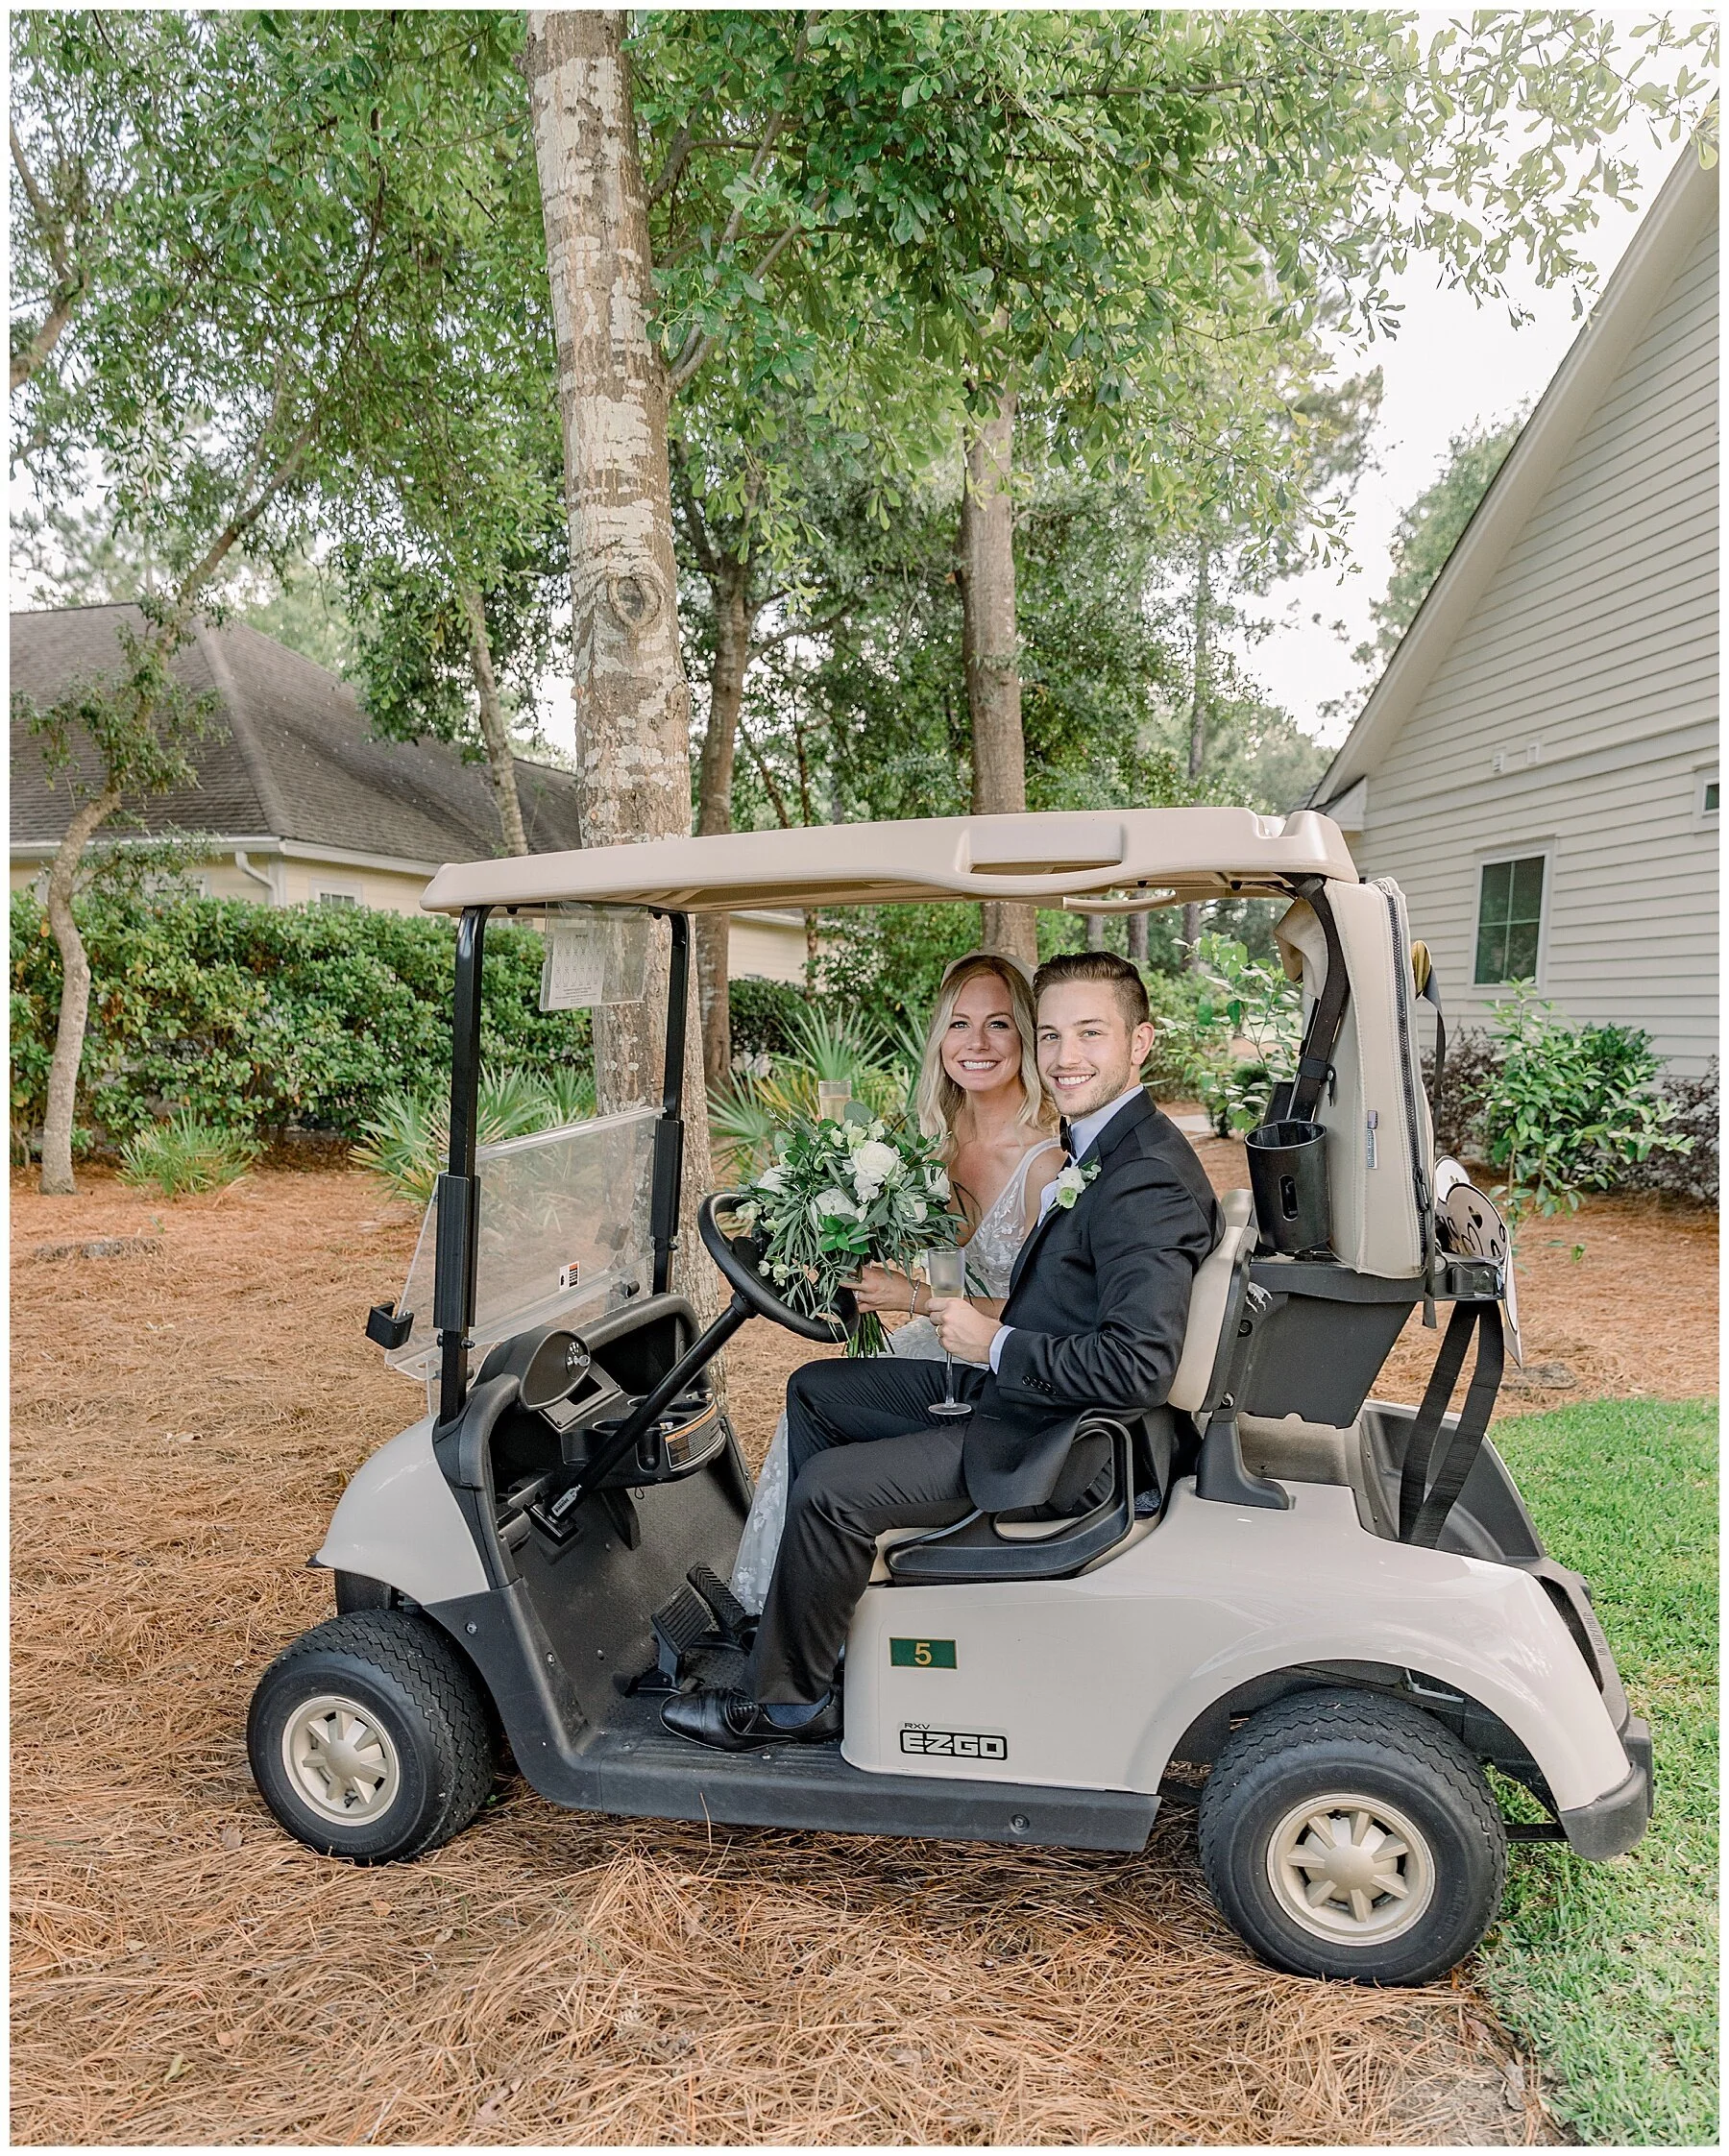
(990, 1253)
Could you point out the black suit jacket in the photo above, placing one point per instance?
(1098, 1300)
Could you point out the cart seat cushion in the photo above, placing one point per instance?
(1208, 1299)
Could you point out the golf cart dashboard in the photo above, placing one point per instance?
(577, 1392)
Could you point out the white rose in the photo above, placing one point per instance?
(773, 1178)
(1071, 1181)
(914, 1209)
(878, 1162)
(937, 1180)
(832, 1204)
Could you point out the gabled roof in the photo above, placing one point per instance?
(1684, 208)
(292, 756)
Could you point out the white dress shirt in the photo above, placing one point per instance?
(1084, 1134)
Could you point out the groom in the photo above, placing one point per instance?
(1094, 1319)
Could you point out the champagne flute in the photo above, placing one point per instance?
(946, 1271)
(832, 1097)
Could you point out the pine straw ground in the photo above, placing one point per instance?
(183, 1422)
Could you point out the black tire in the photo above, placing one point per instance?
(1440, 1837)
(404, 1741)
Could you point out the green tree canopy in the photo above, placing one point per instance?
(1432, 526)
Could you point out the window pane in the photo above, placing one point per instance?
(1711, 797)
(1521, 951)
(1491, 953)
(1497, 885)
(1527, 889)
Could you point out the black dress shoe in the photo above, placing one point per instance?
(734, 1722)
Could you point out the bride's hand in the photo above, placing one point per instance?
(879, 1286)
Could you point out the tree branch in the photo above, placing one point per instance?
(685, 497)
(25, 363)
(777, 800)
(699, 343)
(830, 620)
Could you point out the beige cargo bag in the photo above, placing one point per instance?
(1381, 1143)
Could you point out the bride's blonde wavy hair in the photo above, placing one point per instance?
(936, 1097)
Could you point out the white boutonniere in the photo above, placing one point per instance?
(1072, 1181)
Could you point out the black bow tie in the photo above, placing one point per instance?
(1065, 1133)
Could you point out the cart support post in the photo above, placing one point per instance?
(458, 1194)
(669, 1132)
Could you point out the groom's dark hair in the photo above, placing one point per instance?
(1099, 965)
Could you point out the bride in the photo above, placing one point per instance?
(979, 1092)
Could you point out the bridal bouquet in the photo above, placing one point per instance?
(837, 1194)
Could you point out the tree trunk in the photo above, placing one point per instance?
(1095, 932)
(75, 996)
(729, 584)
(984, 566)
(500, 762)
(1198, 709)
(633, 707)
(1137, 938)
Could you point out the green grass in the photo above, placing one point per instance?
(1609, 1970)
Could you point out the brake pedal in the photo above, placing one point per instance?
(732, 1619)
(681, 1624)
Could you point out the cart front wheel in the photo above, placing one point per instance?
(1346, 1835)
(368, 1739)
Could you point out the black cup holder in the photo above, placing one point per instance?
(1287, 1172)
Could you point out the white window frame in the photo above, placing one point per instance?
(1487, 857)
(323, 888)
(1704, 819)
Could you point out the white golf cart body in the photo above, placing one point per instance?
(1043, 1690)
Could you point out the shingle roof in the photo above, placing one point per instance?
(293, 757)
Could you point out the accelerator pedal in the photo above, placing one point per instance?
(681, 1625)
(732, 1620)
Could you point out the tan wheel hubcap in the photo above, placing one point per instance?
(341, 1760)
(1350, 1869)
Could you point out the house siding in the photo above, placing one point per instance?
(1597, 640)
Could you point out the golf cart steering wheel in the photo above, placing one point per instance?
(741, 1262)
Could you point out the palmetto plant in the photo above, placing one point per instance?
(407, 1142)
(827, 1047)
(187, 1154)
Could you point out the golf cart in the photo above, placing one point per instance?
(1336, 1606)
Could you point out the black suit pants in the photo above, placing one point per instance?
(861, 1456)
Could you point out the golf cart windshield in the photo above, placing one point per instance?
(564, 1233)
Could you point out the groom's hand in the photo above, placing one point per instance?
(963, 1329)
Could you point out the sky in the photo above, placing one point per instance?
(1452, 364)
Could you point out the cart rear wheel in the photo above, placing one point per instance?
(368, 1737)
(1346, 1835)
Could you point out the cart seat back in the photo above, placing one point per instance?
(1210, 1303)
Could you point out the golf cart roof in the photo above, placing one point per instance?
(1148, 856)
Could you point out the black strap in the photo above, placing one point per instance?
(1423, 1511)
(1431, 994)
(1315, 1062)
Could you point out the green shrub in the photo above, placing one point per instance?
(1184, 1055)
(1569, 1107)
(760, 1012)
(1692, 1102)
(254, 1017)
(1241, 998)
(187, 1154)
(886, 963)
